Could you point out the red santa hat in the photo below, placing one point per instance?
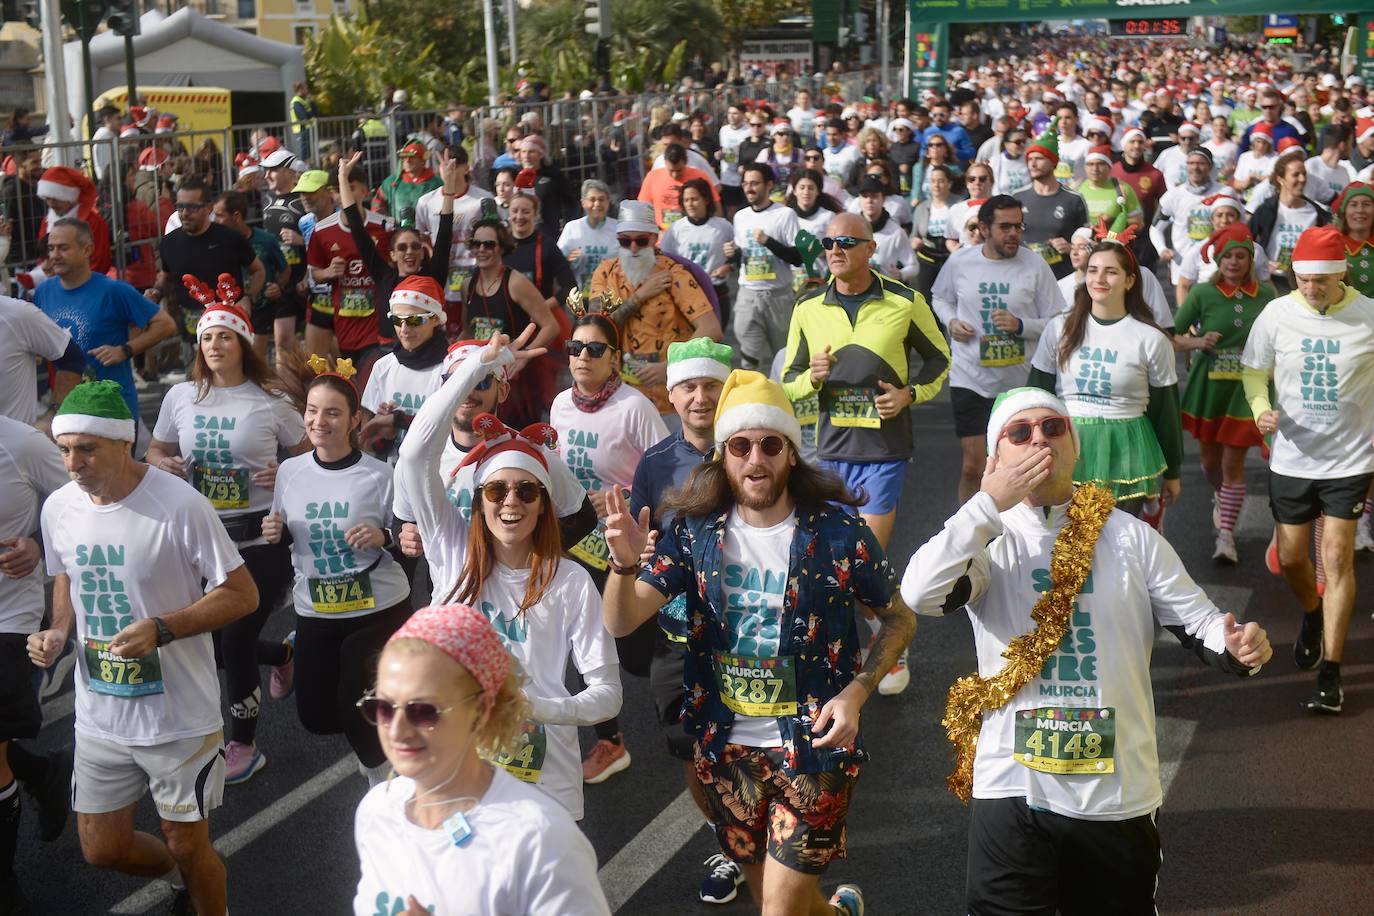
(165, 125)
(502, 447)
(1320, 250)
(221, 309)
(152, 159)
(62, 182)
(1364, 128)
(1188, 128)
(421, 292)
(1101, 153)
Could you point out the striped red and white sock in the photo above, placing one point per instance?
(1231, 498)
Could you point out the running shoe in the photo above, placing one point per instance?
(241, 761)
(283, 679)
(53, 796)
(849, 899)
(1307, 648)
(1363, 540)
(1225, 549)
(1328, 697)
(605, 759)
(896, 680)
(721, 885)
(1271, 555)
(1152, 513)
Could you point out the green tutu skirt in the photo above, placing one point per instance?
(1121, 455)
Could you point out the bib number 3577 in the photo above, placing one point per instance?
(1066, 740)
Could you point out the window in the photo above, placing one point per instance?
(304, 34)
(248, 9)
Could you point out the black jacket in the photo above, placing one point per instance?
(1267, 214)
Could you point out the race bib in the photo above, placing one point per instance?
(225, 487)
(1282, 262)
(779, 193)
(592, 549)
(1046, 251)
(322, 303)
(342, 593)
(356, 303)
(1225, 366)
(808, 409)
(1199, 225)
(121, 677)
(1066, 740)
(1001, 350)
(291, 253)
(670, 217)
(191, 319)
(457, 282)
(729, 155)
(759, 268)
(757, 686)
(484, 327)
(527, 762)
(853, 407)
(631, 363)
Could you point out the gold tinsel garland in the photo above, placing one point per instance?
(1071, 560)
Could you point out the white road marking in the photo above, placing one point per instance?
(157, 892)
(650, 850)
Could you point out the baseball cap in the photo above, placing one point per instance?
(312, 181)
(278, 159)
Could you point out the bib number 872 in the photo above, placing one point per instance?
(115, 672)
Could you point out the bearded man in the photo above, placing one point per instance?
(661, 303)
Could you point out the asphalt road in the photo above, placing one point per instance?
(1267, 808)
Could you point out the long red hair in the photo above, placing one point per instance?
(545, 554)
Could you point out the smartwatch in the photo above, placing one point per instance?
(164, 632)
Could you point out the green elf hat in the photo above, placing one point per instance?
(700, 357)
(95, 409)
(1047, 144)
(1349, 193)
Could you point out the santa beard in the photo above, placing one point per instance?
(637, 265)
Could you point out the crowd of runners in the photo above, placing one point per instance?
(466, 434)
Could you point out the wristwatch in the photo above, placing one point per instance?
(128, 351)
(164, 632)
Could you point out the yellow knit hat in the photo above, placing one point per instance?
(750, 400)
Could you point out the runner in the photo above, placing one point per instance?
(892, 254)
(333, 506)
(732, 135)
(398, 196)
(1010, 174)
(1284, 215)
(222, 430)
(30, 471)
(995, 299)
(402, 379)
(589, 240)
(1352, 212)
(814, 207)
(700, 238)
(281, 218)
(1183, 212)
(1105, 195)
(28, 335)
(1051, 211)
(1214, 322)
(450, 831)
(149, 564)
(1226, 210)
(508, 562)
(1318, 341)
(750, 522)
(764, 246)
(1061, 826)
(1114, 367)
(604, 426)
(871, 349)
(460, 196)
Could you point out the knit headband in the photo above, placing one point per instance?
(465, 636)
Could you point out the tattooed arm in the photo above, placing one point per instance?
(841, 713)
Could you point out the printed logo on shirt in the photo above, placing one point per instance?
(1072, 670)
(753, 608)
(328, 546)
(581, 445)
(1319, 382)
(1094, 380)
(100, 594)
(211, 445)
(698, 253)
(511, 630)
(387, 905)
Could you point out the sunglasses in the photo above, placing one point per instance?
(811, 157)
(485, 244)
(1020, 432)
(1015, 140)
(527, 491)
(843, 241)
(404, 247)
(192, 207)
(636, 241)
(968, 178)
(419, 713)
(595, 348)
(409, 321)
(741, 446)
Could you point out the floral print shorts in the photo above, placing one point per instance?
(799, 819)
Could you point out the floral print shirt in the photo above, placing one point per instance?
(834, 561)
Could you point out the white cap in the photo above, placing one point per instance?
(279, 159)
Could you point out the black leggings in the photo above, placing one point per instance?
(237, 647)
(336, 663)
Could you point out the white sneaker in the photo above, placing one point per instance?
(1216, 512)
(896, 680)
(1225, 549)
(1363, 541)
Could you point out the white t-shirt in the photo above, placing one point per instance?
(840, 163)
(970, 286)
(25, 332)
(603, 448)
(1137, 581)
(1249, 165)
(1324, 181)
(703, 245)
(596, 245)
(144, 556)
(1290, 223)
(1224, 153)
(1069, 171)
(319, 505)
(1173, 164)
(759, 267)
(525, 858)
(1110, 375)
(228, 437)
(892, 253)
(1195, 270)
(30, 470)
(1150, 288)
(815, 224)
(1323, 368)
(466, 209)
(803, 122)
(1009, 175)
(730, 140)
(405, 387)
(754, 586)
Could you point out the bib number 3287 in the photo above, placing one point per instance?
(757, 686)
(116, 676)
(1066, 740)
